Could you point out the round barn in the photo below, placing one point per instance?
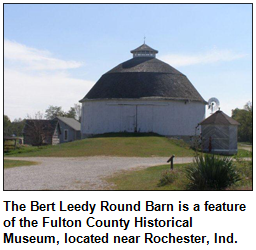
(143, 95)
(219, 134)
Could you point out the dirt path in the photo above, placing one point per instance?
(83, 173)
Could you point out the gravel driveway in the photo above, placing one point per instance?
(83, 173)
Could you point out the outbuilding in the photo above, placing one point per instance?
(143, 95)
(70, 129)
(41, 132)
(219, 134)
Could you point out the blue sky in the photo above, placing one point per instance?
(55, 53)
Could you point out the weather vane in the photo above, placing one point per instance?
(144, 39)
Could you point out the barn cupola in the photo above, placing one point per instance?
(144, 51)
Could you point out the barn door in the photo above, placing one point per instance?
(145, 118)
(128, 118)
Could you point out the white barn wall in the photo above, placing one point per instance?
(165, 117)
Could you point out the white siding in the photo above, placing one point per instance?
(171, 118)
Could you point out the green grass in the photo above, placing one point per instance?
(244, 168)
(130, 145)
(119, 144)
(15, 163)
(243, 153)
(148, 179)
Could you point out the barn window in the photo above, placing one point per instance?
(65, 135)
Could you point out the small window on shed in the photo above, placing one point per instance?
(65, 135)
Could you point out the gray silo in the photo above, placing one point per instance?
(219, 134)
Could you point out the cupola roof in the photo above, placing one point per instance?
(144, 51)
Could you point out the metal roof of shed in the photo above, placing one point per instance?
(71, 122)
(219, 118)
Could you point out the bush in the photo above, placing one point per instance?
(211, 172)
(168, 177)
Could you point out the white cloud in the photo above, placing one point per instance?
(26, 94)
(34, 59)
(34, 80)
(212, 56)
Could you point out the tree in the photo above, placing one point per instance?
(7, 125)
(36, 129)
(71, 113)
(78, 110)
(13, 128)
(37, 116)
(37, 132)
(74, 112)
(17, 127)
(53, 111)
(248, 106)
(244, 117)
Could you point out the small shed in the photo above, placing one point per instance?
(41, 132)
(219, 134)
(70, 129)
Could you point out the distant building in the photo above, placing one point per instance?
(41, 132)
(70, 129)
(219, 134)
(142, 94)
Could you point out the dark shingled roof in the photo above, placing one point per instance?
(144, 47)
(219, 118)
(47, 126)
(144, 65)
(144, 77)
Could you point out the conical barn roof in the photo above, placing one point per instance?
(144, 77)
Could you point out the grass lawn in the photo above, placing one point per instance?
(15, 163)
(244, 146)
(148, 179)
(243, 153)
(120, 144)
(245, 170)
(130, 145)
